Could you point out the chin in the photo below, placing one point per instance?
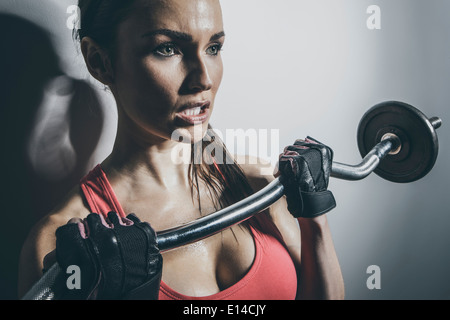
(191, 134)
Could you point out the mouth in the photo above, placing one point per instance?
(194, 113)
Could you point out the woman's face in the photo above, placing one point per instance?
(168, 67)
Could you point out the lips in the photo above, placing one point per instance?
(193, 113)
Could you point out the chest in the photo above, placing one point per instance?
(207, 266)
(210, 265)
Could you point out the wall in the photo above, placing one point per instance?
(313, 68)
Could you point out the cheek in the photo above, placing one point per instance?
(160, 81)
(148, 86)
(216, 74)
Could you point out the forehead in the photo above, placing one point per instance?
(190, 16)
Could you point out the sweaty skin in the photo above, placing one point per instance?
(168, 60)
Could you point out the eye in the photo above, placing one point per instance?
(167, 50)
(214, 49)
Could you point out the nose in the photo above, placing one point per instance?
(198, 77)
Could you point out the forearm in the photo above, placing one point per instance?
(320, 274)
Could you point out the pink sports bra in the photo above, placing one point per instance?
(272, 275)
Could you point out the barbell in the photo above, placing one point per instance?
(396, 141)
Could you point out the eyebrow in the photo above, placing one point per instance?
(217, 36)
(179, 35)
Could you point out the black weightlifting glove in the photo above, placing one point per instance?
(118, 258)
(305, 169)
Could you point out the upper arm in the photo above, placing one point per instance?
(259, 174)
(42, 240)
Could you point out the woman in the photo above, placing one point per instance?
(161, 60)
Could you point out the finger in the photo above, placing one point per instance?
(81, 227)
(133, 218)
(312, 140)
(75, 220)
(77, 227)
(71, 232)
(127, 222)
(95, 223)
(298, 147)
(289, 161)
(114, 218)
(290, 151)
(300, 142)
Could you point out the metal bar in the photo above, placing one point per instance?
(50, 284)
(366, 166)
(222, 219)
(436, 122)
(261, 200)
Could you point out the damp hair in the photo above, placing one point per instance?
(100, 19)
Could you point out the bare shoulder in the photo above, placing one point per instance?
(259, 172)
(41, 240)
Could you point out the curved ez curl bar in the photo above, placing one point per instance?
(396, 141)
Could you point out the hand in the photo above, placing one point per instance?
(305, 169)
(118, 257)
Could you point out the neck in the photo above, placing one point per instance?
(155, 160)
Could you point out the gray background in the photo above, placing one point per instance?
(302, 67)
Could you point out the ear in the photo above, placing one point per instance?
(97, 61)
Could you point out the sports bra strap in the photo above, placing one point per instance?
(99, 194)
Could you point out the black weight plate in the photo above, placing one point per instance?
(419, 140)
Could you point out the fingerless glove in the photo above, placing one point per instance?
(305, 169)
(118, 257)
